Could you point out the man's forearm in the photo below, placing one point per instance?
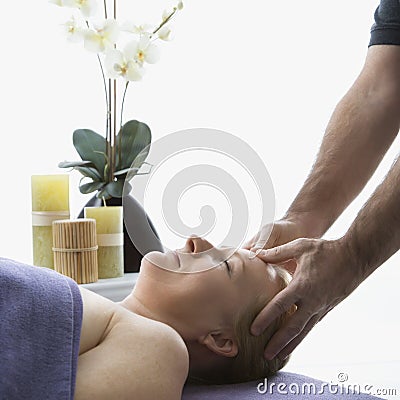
(361, 129)
(374, 235)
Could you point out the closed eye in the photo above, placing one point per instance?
(228, 267)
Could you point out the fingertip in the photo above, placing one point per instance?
(252, 254)
(247, 246)
(256, 250)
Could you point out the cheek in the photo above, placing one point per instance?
(211, 293)
(156, 285)
(202, 289)
(201, 292)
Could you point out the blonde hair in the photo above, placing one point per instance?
(250, 364)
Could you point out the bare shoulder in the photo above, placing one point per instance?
(98, 316)
(163, 364)
(135, 358)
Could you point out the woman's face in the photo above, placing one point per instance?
(198, 288)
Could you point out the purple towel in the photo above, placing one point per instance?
(40, 324)
(283, 386)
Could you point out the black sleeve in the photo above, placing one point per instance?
(386, 29)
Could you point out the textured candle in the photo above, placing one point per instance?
(75, 249)
(110, 239)
(50, 202)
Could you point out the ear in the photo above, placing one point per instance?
(221, 343)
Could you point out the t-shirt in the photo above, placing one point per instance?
(386, 29)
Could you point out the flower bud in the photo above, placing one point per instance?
(164, 33)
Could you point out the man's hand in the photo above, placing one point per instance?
(326, 274)
(271, 235)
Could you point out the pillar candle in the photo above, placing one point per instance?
(50, 202)
(110, 239)
(75, 249)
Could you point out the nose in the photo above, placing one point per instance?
(196, 244)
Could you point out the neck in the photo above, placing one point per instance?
(133, 304)
(173, 318)
(200, 355)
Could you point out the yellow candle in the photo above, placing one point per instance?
(50, 202)
(110, 239)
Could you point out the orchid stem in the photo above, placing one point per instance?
(105, 9)
(123, 103)
(114, 129)
(114, 144)
(120, 125)
(109, 133)
(165, 21)
(105, 88)
(104, 81)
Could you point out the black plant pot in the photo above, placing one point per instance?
(139, 226)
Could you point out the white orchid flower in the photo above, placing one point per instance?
(88, 7)
(143, 50)
(102, 37)
(74, 31)
(165, 33)
(169, 11)
(131, 27)
(121, 64)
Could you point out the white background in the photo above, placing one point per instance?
(269, 72)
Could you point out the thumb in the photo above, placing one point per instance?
(278, 254)
(265, 240)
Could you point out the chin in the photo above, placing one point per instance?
(158, 264)
(168, 262)
(149, 261)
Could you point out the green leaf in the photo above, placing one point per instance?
(126, 170)
(115, 189)
(103, 154)
(140, 158)
(89, 145)
(103, 193)
(105, 172)
(90, 173)
(129, 173)
(73, 164)
(133, 138)
(90, 187)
